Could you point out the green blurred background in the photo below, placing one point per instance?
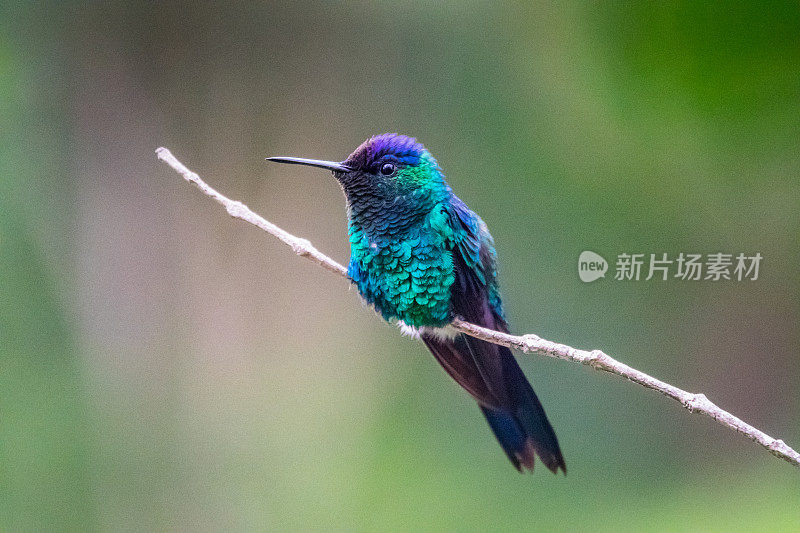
(164, 367)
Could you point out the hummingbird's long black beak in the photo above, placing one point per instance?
(330, 165)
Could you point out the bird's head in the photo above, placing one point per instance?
(384, 166)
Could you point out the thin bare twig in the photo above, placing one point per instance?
(697, 403)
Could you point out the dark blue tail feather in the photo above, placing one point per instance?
(509, 434)
(490, 373)
(520, 423)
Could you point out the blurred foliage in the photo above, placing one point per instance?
(165, 367)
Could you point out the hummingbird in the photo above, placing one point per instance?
(421, 258)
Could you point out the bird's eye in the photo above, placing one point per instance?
(387, 169)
